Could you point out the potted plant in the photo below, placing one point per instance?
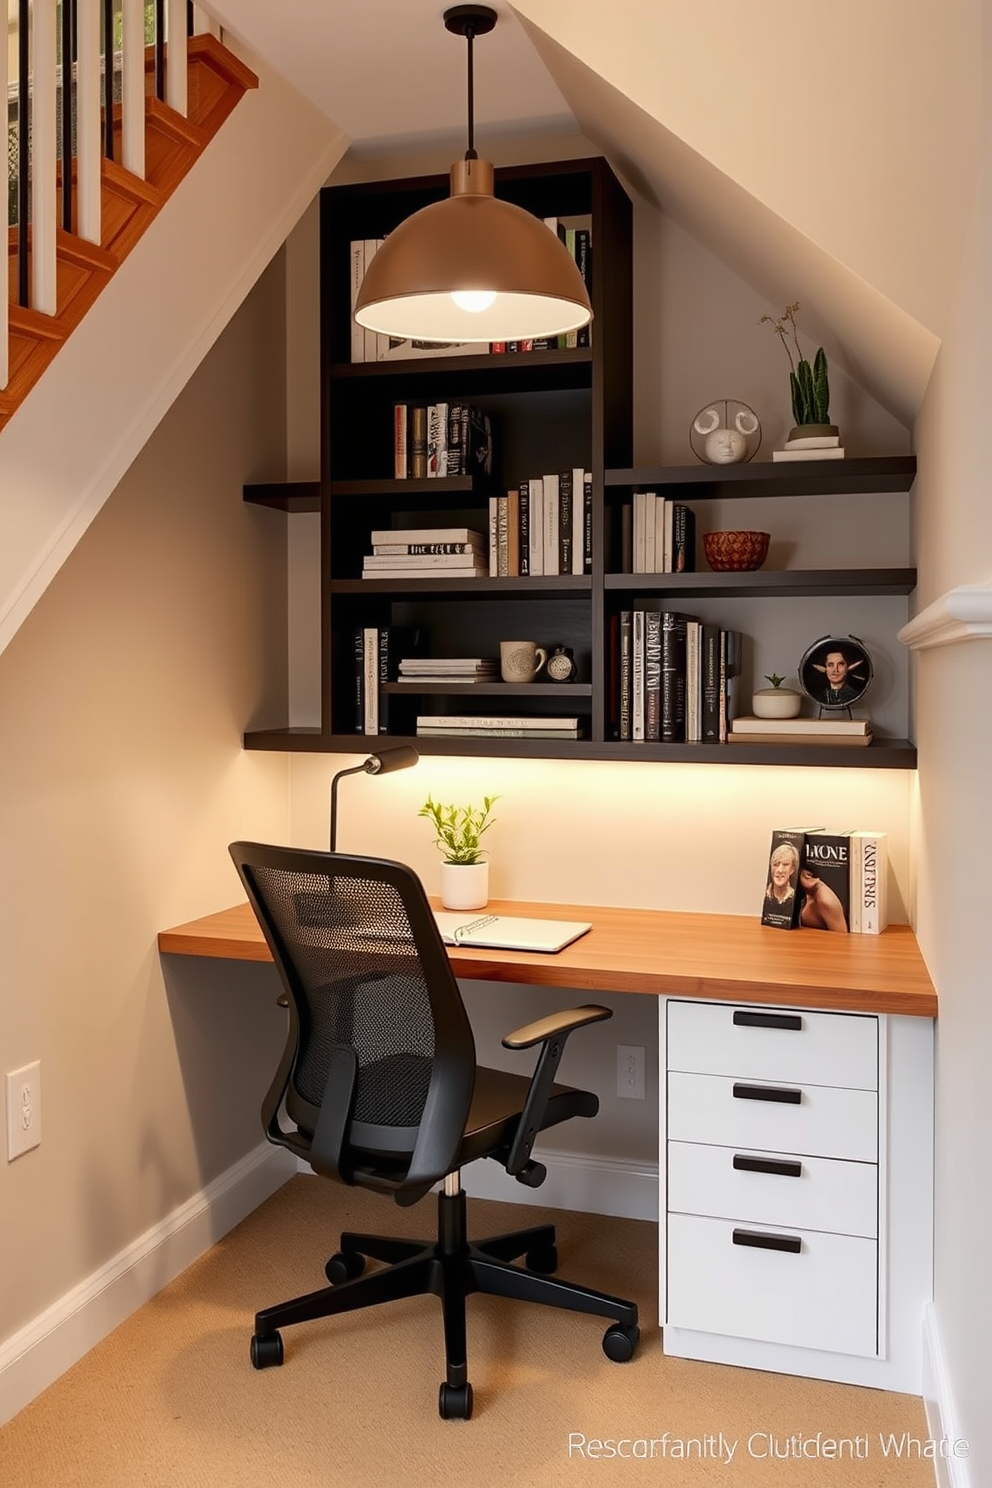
(776, 701)
(457, 834)
(808, 383)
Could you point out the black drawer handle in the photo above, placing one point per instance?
(768, 1020)
(768, 1093)
(777, 1166)
(758, 1241)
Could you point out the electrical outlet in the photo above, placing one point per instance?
(23, 1109)
(630, 1071)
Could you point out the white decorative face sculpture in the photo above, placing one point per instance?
(725, 446)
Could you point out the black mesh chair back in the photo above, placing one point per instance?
(378, 1031)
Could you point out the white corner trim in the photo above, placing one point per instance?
(44, 1348)
(962, 614)
(949, 1471)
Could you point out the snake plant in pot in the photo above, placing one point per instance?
(457, 834)
(809, 383)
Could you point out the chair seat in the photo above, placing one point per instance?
(497, 1101)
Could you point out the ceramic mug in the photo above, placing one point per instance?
(520, 661)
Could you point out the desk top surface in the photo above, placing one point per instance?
(662, 953)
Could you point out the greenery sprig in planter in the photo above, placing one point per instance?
(458, 829)
(809, 384)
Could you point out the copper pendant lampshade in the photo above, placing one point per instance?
(473, 267)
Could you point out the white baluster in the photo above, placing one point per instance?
(203, 24)
(175, 59)
(89, 145)
(44, 200)
(133, 87)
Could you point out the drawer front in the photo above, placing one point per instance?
(821, 1296)
(773, 1188)
(716, 1038)
(816, 1120)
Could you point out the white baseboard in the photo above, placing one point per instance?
(38, 1353)
(950, 1471)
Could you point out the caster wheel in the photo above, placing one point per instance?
(454, 1402)
(620, 1341)
(344, 1267)
(543, 1259)
(266, 1350)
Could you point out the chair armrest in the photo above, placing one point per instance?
(551, 1033)
(563, 1023)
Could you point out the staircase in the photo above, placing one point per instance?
(216, 82)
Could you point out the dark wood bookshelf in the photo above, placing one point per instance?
(550, 411)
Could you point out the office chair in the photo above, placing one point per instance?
(379, 1086)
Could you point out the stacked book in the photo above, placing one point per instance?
(542, 527)
(449, 669)
(843, 731)
(426, 552)
(811, 447)
(469, 726)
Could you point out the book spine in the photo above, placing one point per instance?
(537, 528)
(856, 869)
(652, 675)
(875, 887)
(730, 670)
(418, 442)
(683, 539)
(693, 697)
(826, 860)
(359, 655)
(565, 521)
(583, 259)
(550, 504)
(502, 539)
(456, 455)
(401, 452)
(710, 681)
(371, 352)
(437, 440)
(373, 561)
(357, 275)
(493, 537)
(384, 677)
(523, 518)
(462, 720)
(410, 550)
(626, 646)
(513, 533)
(672, 677)
(370, 655)
(637, 677)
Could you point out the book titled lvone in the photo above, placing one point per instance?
(825, 882)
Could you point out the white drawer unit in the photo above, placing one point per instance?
(716, 1038)
(774, 1219)
(784, 1286)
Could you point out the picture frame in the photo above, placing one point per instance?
(835, 672)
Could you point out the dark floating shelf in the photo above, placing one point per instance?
(785, 478)
(771, 582)
(287, 496)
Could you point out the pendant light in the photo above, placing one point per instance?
(473, 267)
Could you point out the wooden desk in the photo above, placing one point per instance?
(663, 954)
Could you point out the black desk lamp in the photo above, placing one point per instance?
(399, 758)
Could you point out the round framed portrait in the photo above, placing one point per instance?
(835, 671)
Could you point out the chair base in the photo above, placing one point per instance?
(452, 1269)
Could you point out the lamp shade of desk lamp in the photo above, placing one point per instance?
(400, 758)
(473, 267)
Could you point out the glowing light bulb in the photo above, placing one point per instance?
(473, 300)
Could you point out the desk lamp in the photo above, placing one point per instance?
(382, 763)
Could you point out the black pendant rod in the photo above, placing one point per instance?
(470, 21)
(108, 78)
(160, 50)
(68, 58)
(23, 135)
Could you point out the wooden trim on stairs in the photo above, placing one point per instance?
(217, 82)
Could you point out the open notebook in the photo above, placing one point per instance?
(507, 932)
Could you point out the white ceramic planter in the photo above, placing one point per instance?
(776, 702)
(465, 885)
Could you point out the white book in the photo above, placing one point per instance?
(493, 537)
(871, 874)
(370, 660)
(808, 454)
(824, 726)
(639, 531)
(508, 932)
(357, 275)
(550, 504)
(652, 563)
(661, 506)
(693, 692)
(462, 720)
(814, 441)
(447, 663)
(427, 535)
(479, 571)
(425, 731)
(535, 528)
(578, 521)
(375, 561)
(371, 337)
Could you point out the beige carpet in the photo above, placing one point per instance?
(170, 1398)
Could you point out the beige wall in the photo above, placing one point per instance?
(122, 702)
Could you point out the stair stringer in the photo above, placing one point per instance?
(102, 397)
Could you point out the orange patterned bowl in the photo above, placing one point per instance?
(735, 550)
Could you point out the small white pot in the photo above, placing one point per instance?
(776, 702)
(465, 885)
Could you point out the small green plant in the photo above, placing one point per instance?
(809, 384)
(458, 829)
(774, 679)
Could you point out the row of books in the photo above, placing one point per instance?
(824, 880)
(661, 537)
(673, 679)
(434, 440)
(542, 527)
(842, 731)
(469, 726)
(426, 552)
(375, 346)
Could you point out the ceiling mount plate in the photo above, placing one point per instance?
(465, 19)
